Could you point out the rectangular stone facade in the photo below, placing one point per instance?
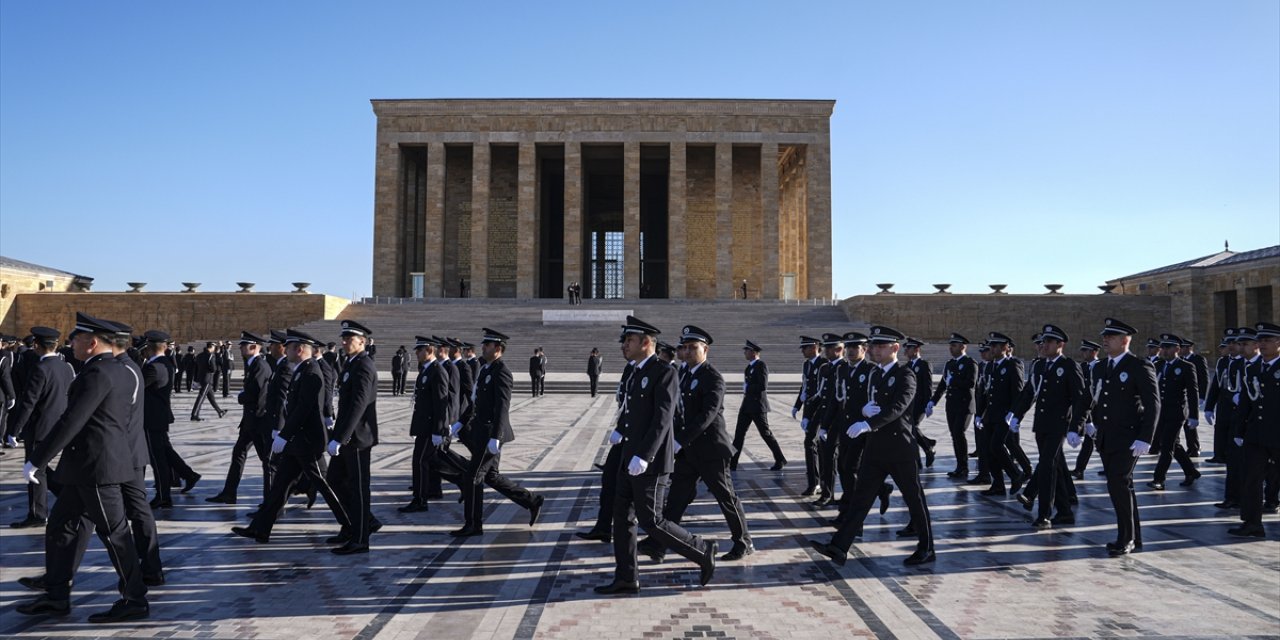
(748, 195)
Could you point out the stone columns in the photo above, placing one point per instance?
(769, 228)
(526, 222)
(724, 220)
(818, 215)
(389, 275)
(631, 219)
(677, 184)
(572, 213)
(433, 281)
(479, 285)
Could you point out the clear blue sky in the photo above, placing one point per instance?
(1002, 141)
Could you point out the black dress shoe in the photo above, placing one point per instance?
(413, 507)
(1215, 460)
(122, 611)
(907, 532)
(1158, 486)
(1227, 505)
(738, 552)
(376, 526)
(929, 455)
(190, 482)
(809, 491)
(1062, 519)
(350, 548)
(830, 551)
(618, 589)
(248, 532)
(533, 510)
(153, 580)
(602, 536)
(161, 504)
(885, 491)
(958, 473)
(28, 522)
(45, 606)
(1073, 500)
(1015, 484)
(467, 532)
(979, 480)
(1118, 549)
(1078, 475)
(919, 558)
(222, 412)
(197, 419)
(1247, 531)
(1102, 472)
(708, 566)
(993, 491)
(778, 464)
(221, 499)
(1025, 501)
(342, 538)
(1271, 507)
(598, 466)
(1042, 523)
(35, 583)
(1191, 479)
(822, 501)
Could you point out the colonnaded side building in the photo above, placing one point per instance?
(630, 198)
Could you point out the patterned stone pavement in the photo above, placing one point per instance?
(995, 576)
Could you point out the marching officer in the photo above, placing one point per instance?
(959, 376)
(1179, 402)
(1258, 428)
(1187, 352)
(1004, 383)
(1124, 416)
(256, 424)
(1088, 360)
(42, 403)
(924, 392)
(429, 425)
(829, 367)
(755, 408)
(206, 371)
(355, 432)
(852, 392)
(807, 404)
(603, 529)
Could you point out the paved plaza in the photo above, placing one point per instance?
(995, 576)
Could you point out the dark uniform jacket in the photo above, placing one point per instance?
(137, 413)
(595, 364)
(807, 399)
(1004, 383)
(455, 390)
(206, 367)
(1060, 394)
(430, 402)
(44, 399)
(537, 366)
(890, 438)
(959, 378)
(1259, 411)
(1179, 391)
(7, 392)
(620, 423)
(157, 413)
(702, 433)
(924, 388)
(1202, 372)
(93, 433)
(466, 386)
(256, 393)
(278, 393)
(303, 425)
(649, 410)
(755, 390)
(491, 420)
(852, 391)
(828, 372)
(1221, 387)
(1128, 403)
(357, 421)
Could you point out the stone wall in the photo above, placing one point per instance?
(933, 317)
(700, 219)
(792, 228)
(503, 231)
(14, 283)
(748, 221)
(188, 317)
(457, 218)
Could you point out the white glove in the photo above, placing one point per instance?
(1073, 439)
(277, 444)
(12, 402)
(804, 424)
(1239, 441)
(1139, 448)
(637, 466)
(928, 410)
(858, 428)
(1090, 430)
(1202, 406)
(822, 434)
(436, 439)
(977, 421)
(1235, 399)
(334, 447)
(1208, 417)
(615, 437)
(494, 446)
(871, 409)
(328, 422)
(454, 429)
(1193, 423)
(29, 470)
(793, 413)
(1013, 425)
(1008, 418)
(275, 433)
(678, 447)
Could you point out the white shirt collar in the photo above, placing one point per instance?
(642, 363)
(695, 368)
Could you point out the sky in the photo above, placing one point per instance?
(972, 142)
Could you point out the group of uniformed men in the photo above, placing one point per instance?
(859, 406)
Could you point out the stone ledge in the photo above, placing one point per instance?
(585, 316)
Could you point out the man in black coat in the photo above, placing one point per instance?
(1179, 409)
(1257, 430)
(1004, 384)
(157, 415)
(41, 404)
(188, 366)
(830, 366)
(256, 423)
(595, 364)
(398, 371)
(490, 429)
(300, 443)
(755, 408)
(853, 392)
(355, 433)
(1187, 352)
(924, 391)
(648, 450)
(429, 425)
(1124, 416)
(8, 395)
(226, 363)
(959, 378)
(1088, 362)
(603, 529)
(806, 405)
(703, 448)
(205, 373)
(537, 372)
(97, 457)
(890, 451)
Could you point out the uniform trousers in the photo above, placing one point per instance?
(142, 524)
(1086, 451)
(426, 474)
(827, 464)
(37, 494)
(483, 470)
(1170, 448)
(104, 507)
(1193, 438)
(608, 488)
(714, 473)
(761, 420)
(595, 383)
(641, 499)
(812, 457)
(289, 469)
(1050, 480)
(205, 392)
(1000, 462)
(958, 424)
(871, 476)
(261, 443)
(1256, 470)
(1118, 467)
(349, 477)
(982, 444)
